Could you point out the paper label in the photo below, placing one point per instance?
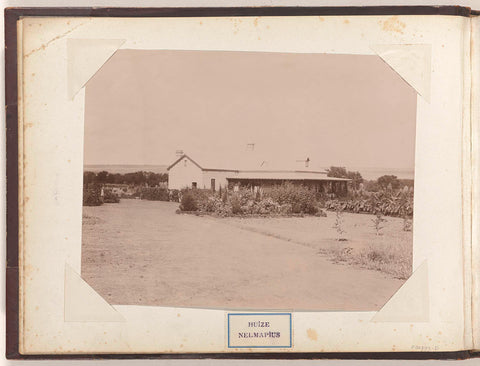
(259, 330)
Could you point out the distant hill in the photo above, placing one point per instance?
(122, 169)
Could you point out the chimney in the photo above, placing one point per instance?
(305, 162)
(178, 153)
(251, 146)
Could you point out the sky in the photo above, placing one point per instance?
(341, 110)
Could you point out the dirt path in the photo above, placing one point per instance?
(142, 253)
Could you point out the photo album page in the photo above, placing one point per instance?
(219, 184)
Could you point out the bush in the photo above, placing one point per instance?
(154, 194)
(388, 203)
(211, 204)
(301, 199)
(236, 203)
(188, 202)
(339, 225)
(283, 200)
(174, 195)
(110, 197)
(378, 223)
(407, 224)
(268, 206)
(92, 195)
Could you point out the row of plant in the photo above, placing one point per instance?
(155, 194)
(285, 199)
(140, 178)
(93, 195)
(96, 194)
(387, 202)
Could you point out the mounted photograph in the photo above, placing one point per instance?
(248, 180)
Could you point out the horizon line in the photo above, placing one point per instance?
(327, 166)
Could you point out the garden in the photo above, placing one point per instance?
(281, 200)
(383, 197)
(289, 199)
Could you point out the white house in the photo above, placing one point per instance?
(187, 173)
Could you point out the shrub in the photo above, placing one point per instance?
(339, 225)
(407, 224)
(236, 203)
(266, 206)
(285, 209)
(302, 199)
(378, 223)
(399, 204)
(211, 204)
(92, 195)
(200, 197)
(283, 200)
(154, 194)
(174, 195)
(110, 197)
(188, 202)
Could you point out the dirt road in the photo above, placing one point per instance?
(142, 253)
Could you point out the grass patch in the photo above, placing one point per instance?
(394, 260)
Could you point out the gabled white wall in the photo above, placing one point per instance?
(182, 174)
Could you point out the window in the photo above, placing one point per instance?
(194, 185)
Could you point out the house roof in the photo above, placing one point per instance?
(266, 174)
(181, 158)
(283, 175)
(249, 162)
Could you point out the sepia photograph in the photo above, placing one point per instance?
(248, 180)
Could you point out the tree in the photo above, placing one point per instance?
(164, 177)
(407, 182)
(371, 186)
(140, 178)
(385, 180)
(102, 177)
(341, 172)
(356, 179)
(137, 178)
(154, 179)
(337, 172)
(88, 177)
(117, 178)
